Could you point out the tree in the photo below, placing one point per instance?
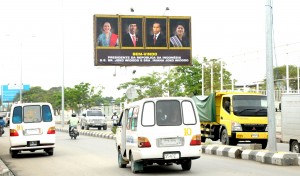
(147, 86)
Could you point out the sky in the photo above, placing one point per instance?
(49, 43)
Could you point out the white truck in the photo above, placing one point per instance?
(93, 118)
(290, 121)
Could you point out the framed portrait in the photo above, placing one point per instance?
(156, 32)
(106, 32)
(132, 31)
(180, 30)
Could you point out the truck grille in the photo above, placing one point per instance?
(254, 127)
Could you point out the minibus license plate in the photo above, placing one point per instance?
(32, 143)
(169, 156)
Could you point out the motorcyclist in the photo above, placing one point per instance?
(114, 118)
(73, 121)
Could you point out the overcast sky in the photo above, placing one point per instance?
(43, 33)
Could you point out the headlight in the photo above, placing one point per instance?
(236, 126)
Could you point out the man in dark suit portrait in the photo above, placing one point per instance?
(132, 39)
(157, 39)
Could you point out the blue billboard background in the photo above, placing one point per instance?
(9, 92)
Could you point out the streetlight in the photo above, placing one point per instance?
(21, 67)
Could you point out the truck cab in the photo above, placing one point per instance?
(232, 117)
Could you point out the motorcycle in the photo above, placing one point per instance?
(73, 132)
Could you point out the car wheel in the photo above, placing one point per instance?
(186, 165)
(295, 147)
(105, 127)
(121, 161)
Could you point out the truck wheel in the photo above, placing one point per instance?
(224, 137)
(14, 153)
(186, 165)
(295, 147)
(121, 161)
(264, 144)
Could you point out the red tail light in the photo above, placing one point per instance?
(143, 142)
(196, 140)
(51, 130)
(13, 132)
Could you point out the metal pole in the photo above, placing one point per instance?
(221, 62)
(202, 79)
(270, 79)
(287, 77)
(21, 72)
(63, 71)
(298, 78)
(211, 78)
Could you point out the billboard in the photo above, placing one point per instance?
(132, 40)
(8, 92)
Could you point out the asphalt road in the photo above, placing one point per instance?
(97, 156)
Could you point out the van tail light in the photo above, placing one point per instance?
(51, 130)
(143, 142)
(13, 132)
(196, 140)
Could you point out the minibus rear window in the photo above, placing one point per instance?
(168, 113)
(17, 115)
(32, 114)
(46, 113)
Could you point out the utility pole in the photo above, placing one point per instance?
(270, 78)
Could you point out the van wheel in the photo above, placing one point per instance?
(49, 151)
(14, 153)
(186, 165)
(136, 166)
(121, 161)
(295, 147)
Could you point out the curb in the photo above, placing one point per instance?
(4, 171)
(263, 156)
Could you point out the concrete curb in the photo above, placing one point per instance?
(4, 171)
(263, 156)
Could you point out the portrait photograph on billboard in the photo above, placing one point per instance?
(142, 40)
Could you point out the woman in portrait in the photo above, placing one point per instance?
(179, 39)
(107, 38)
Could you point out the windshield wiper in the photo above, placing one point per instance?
(263, 109)
(248, 109)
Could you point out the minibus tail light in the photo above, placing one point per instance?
(143, 142)
(196, 140)
(51, 130)
(13, 132)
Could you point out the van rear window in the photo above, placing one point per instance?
(32, 114)
(168, 113)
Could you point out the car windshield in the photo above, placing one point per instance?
(250, 105)
(94, 113)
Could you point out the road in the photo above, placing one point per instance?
(91, 156)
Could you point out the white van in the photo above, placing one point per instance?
(162, 130)
(32, 127)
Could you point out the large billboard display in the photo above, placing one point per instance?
(142, 40)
